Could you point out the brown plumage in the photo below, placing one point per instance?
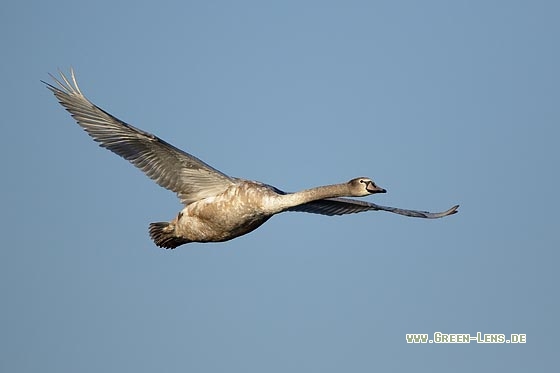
(217, 207)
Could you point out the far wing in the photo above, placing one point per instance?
(343, 206)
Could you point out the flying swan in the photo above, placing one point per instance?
(218, 207)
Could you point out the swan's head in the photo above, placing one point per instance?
(364, 186)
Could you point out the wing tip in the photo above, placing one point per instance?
(65, 85)
(453, 210)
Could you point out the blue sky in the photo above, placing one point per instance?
(440, 102)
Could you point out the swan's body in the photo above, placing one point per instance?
(217, 207)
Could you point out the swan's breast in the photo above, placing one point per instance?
(240, 209)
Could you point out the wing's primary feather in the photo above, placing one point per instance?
(170, 167)
(343, 206)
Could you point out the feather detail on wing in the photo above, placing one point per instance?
(342, 206)
(168, 166)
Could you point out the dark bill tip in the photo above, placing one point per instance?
(376, 189)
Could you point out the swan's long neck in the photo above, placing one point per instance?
(314, 194)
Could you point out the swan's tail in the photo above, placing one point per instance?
(163, 234)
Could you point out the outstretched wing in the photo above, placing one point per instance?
(170, 167)
(342, 206)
